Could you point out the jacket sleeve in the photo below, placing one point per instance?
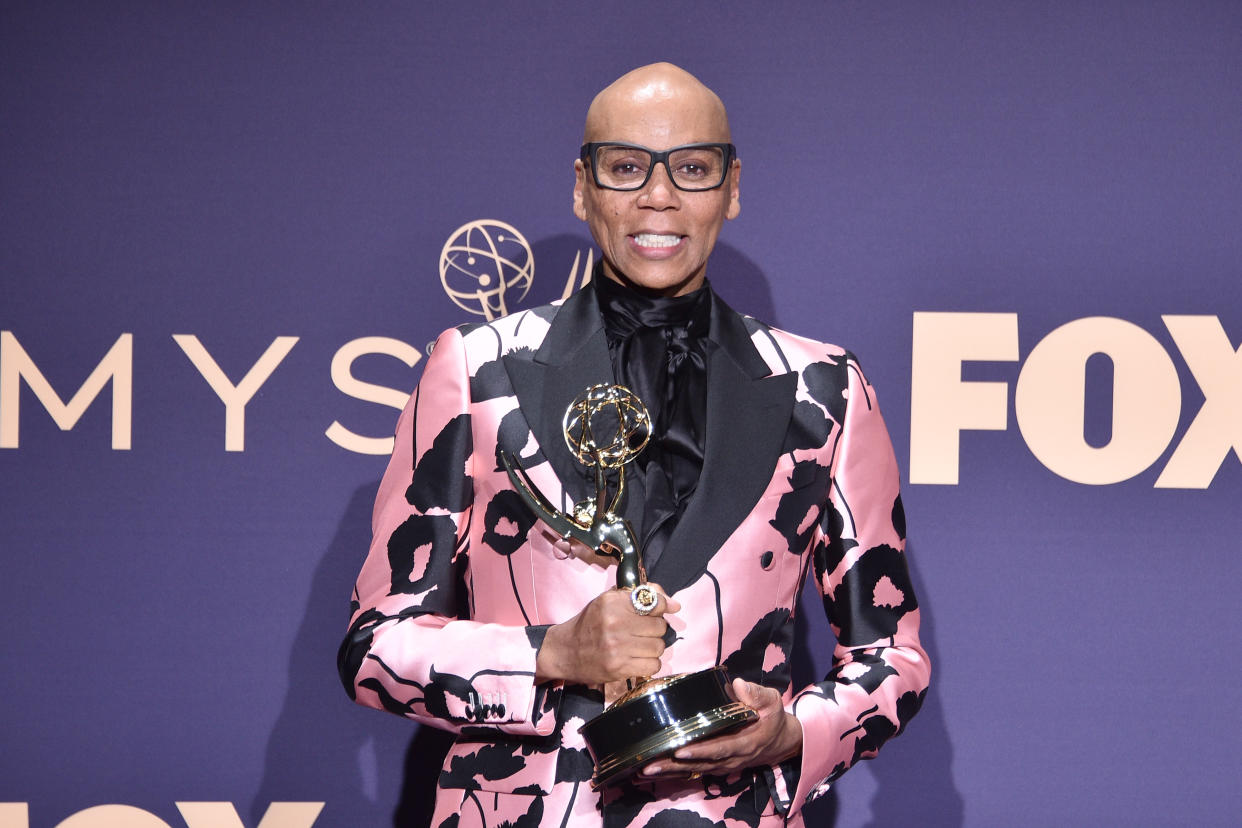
(879, 670)
(411, 647)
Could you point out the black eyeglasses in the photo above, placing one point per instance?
(692, 167)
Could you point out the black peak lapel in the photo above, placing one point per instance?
(730, 332)
(573, 356)
(748, 413)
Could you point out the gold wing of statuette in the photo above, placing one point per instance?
(561, 523)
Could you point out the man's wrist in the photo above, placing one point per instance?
(548, 665)
(791, 737)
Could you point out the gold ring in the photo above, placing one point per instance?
(696, 775)
(644, 599)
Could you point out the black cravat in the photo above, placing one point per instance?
(658, 350)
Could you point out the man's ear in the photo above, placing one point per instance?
(735, 192)
(580, 184)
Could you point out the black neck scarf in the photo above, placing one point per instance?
(658, 350)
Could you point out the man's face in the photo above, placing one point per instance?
(659, 237)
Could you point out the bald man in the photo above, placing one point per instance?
(769, 463)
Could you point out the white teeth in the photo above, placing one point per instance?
(653, 240)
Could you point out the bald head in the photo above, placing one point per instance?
(652, 99)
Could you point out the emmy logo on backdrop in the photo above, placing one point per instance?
(485, 262)
(481, 262)
(606, 427)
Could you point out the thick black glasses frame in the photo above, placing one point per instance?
(587, 154)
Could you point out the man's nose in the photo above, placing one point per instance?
(660, 191)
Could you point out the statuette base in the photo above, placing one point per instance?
(658, 717)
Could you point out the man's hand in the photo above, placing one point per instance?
(608, 641)
(774, 737)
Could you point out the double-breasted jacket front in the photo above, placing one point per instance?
(461, 581)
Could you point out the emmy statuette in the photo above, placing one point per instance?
(606, 427)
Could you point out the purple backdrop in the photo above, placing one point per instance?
(238, 172)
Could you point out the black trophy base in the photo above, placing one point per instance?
(657, 718)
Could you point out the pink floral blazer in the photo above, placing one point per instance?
(461, 581)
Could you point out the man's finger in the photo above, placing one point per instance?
(755, 696)
(649, 599)
(664, 604)
(668, 604)
(747, 693)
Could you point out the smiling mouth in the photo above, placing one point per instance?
(656, 240)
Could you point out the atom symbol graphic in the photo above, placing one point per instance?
(481, 262)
